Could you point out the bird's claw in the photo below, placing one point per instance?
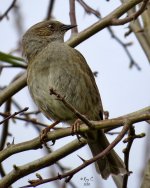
(43, 135)
(76, 128)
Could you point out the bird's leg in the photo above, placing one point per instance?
(106, 114)
(44, 132)
(76, 127)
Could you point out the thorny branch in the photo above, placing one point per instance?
(135, 117)
(21, 171)
(70, 174)
(60, 166)
(138, 116)
(129, 140)
(126, 156)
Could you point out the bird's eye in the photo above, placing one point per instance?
(51, 26)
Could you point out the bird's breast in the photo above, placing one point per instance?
(58, 67)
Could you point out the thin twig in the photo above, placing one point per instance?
(128, 32)
(72, 15)
(69, 106)
(60, 166)
(29, 120)
(8, 10)
(50, 9)
(18, 107)
(13, 115)
(33, 112)
(4, 132)
(125, 47)
(112, 133)
(131, 137)
(126, 156)
(88, 9)
(134, 16)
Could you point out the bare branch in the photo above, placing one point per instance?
(8, 10)
(70, 174)
(50, 9)
(140, 30)
(29, 120)
(134, 16)
(72, 14)
(104, 22)
(88, 9)
(138, 116)
(4, 132)
(125, 47)
(21, 171)
(126, 156)
(14, 114)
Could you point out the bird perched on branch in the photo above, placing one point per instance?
(54, 64)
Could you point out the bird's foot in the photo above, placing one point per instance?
(76, 128)
(43, 134)
(106, 114)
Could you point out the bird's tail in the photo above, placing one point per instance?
(110, 164)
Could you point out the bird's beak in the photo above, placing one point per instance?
(67, 27)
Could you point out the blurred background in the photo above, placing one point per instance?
(123, 89)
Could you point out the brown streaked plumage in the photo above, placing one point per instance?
(53, 64)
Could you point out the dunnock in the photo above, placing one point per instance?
(54, 64)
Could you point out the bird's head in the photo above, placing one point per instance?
(49, 29)
(41, 34)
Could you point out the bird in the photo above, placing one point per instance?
(54, 64)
